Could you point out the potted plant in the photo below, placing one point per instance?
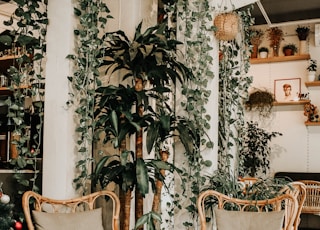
(303, 33)
(312, 68)
(263, 52)
(255, 152)
(275, 36)
(289, 49)
(147, 59)
(255, 40)
(260, 100)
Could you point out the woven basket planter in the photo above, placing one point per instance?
(226, 26)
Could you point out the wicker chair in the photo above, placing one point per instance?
(32, 201)
(298, 190)
(312, 202)
(285, 202)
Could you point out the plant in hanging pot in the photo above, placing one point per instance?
(312, 68)
(263, 52)
(226, 26)
(289, 49)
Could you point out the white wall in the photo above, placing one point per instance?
(298, 149)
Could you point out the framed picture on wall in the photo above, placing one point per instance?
(287, 89)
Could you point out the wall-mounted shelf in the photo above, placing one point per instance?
(312, 83)
(280, 59)
(301, 102)
(313, 123)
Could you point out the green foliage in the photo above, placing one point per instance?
(6, 217)
(197, 30)
(92, 17)
(312, 65)
(29, 33)
(233, 91)
(254, 156)
(148, 221)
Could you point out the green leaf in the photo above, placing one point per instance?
(142, 177)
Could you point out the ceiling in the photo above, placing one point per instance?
(280, 12)
(272, 12)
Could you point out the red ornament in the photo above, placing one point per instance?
(18, 225)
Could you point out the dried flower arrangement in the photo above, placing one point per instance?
(275, 36)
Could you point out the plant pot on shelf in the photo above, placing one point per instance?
(288, 52)
(311, 75)
(263, 54)
(303, 47)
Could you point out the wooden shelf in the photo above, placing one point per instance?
(310, 123)
(9, 57)
(301, 102)
(280, 59)
(312, 83)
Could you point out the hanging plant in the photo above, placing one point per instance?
(261, 101)
(233, 90)
(226, 26)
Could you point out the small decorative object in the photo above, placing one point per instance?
(275, 36)
(303, 33)
(6, 211)
(312, 68)
(287, 89)
(226, 26)
(260, 100)
(289, 49)
(311, 112)
(263, 52)
(18, 225)
(255, 40)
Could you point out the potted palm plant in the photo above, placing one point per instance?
(147, 59)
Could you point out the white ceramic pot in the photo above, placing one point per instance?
(263, 54)
(303, 47)
(311, 75)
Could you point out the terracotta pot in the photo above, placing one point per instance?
(288, 52)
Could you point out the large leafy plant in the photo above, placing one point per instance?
(254, 156)
(149, 67)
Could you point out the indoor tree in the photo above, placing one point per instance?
(149, 67)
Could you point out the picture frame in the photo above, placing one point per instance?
(286, 90)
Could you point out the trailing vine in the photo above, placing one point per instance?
(198, 23)
(92, 17)
(28, 41)
(233, 91)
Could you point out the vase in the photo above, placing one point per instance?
(311, 75)
(275, 50)
(254, 53)
(263, 54)
(302, 47)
